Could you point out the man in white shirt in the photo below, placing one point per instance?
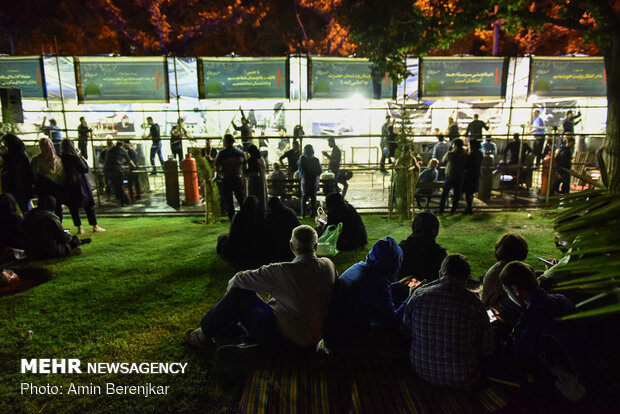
(292, 319)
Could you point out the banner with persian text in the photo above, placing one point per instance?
(225, 78)
(463, 77)
(23, 73)
(568, 76)
(343, 78)
(121, 79)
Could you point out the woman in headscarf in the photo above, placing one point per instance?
(280, 222)
(309, 172)
(422, 256)
(243, 245)
(353, 235)
(17, 176)
(49, 174)
(78, 193)
(10, 224)
(255, 177)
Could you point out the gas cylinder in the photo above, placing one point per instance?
(190, 179)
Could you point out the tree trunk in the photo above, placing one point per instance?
(611, 152)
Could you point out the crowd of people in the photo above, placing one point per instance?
(458, 162)
(409, 298)
(53, 180)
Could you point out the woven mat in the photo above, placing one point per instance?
(323, 384)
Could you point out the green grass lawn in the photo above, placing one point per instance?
(133, 292)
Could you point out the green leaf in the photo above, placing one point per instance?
(594, 312)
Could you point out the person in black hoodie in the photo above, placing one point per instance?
(10, 224)
(243, 245)
(17, 176)
(353, 235)
(280, 222)
(44, 235)
(78, 193)
(472, 175)
(422, 256)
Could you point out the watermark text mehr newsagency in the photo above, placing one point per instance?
(75, 366)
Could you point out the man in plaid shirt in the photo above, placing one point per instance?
(450, 329)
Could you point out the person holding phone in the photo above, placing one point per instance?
(362, 306)
(509, 247)
(451, 336)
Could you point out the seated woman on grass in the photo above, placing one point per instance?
(10, 224)
(422, 256)
(44, 235)
(353, 235)
(243, 245)
(280, 222)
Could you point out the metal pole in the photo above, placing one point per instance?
(552, 156)
(299, 86)
(62, 98)
(176, 86)
(512, 94)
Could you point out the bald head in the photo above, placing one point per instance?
(304, 239)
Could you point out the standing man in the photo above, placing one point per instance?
(176, 139)
(570, 122)
(456, 163)
(155, 137)
(292, 157)
(564, 161)
(285, 142)
(84, 132)
(539, 136)
(516, 147)
(228, 166)
(133, 180)
(334, 157)
(439, 150)
(383, 144)
(53, 132)
(569, 125)
(245, 130)
(115, 158)
(450, 331)
(292, 321)
(453, 129)
(474, 129)
(210, 153)
(334, 163)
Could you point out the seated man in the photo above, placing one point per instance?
(508, 248)
(450, 329)
(293, 319)
(44, 235)
(277, 181)
(554, 351)
(363, 298)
